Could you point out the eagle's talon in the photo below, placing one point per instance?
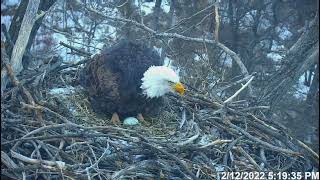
(141, 119)
(115, 119)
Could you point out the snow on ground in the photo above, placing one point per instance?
(197, 57)
(283, 32)
(226, 60)
(147, 7)
(275, 56)
(276, 47)
(219, 168)
(247, 20)
(301, 89)
(159, 50)
(264, 24)
(63, 94)
(167, 62)
(6, 20)
(62, 91)
(11, 2)
(165, 6)
(61, 51)
(201, 57)
(77, 40)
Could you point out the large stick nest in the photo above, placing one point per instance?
(53, 135)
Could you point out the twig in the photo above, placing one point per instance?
(263, 159)
(230, 146)
(314, 154)
(16, 82)
(248, 157)
(235, 83)
(95, 165)
(84, 53)
(233, 55)
(237, 93)
(216, 142)
(192, 138)
(42, 108)
(217, 23)
(58, 164)
(7, 161)
(265, 144)
(172, 157)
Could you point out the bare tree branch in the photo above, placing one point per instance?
(233, 55)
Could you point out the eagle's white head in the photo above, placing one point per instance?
(159, 80)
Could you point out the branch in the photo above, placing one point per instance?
(182, 165)
(233, 55)
(307, 148)
(265, 144)
(84, 53)
(192, 138)
(248, 157)
(235, 83)
(58, 164)
(241, 89)
(217, 23)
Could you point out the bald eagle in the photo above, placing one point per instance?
(128, 79)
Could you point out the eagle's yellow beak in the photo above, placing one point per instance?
(179, 88)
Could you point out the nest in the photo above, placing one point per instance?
(57, 135)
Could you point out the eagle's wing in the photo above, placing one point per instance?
(102, 85)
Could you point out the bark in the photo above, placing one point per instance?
(21, 42)
(172, 14)
(16, 25)
(44, 6)
(126, 9)
(313, 91)
(303, 54)
(156, 15)
(234, 22)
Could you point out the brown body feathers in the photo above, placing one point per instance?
(113, 80)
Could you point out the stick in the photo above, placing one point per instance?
(84, 53)
(59, 164)
(237, 93)
(248, 157)
(265, 144)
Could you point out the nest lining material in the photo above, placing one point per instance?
(60, 136)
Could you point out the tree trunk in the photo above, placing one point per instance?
(16, 25)
(126, 8)
(172, 14)
(313, 91)
(299, 58)
(234, 24)
(21, 42)
(156, 15)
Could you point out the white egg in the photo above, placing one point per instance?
(131, 121)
